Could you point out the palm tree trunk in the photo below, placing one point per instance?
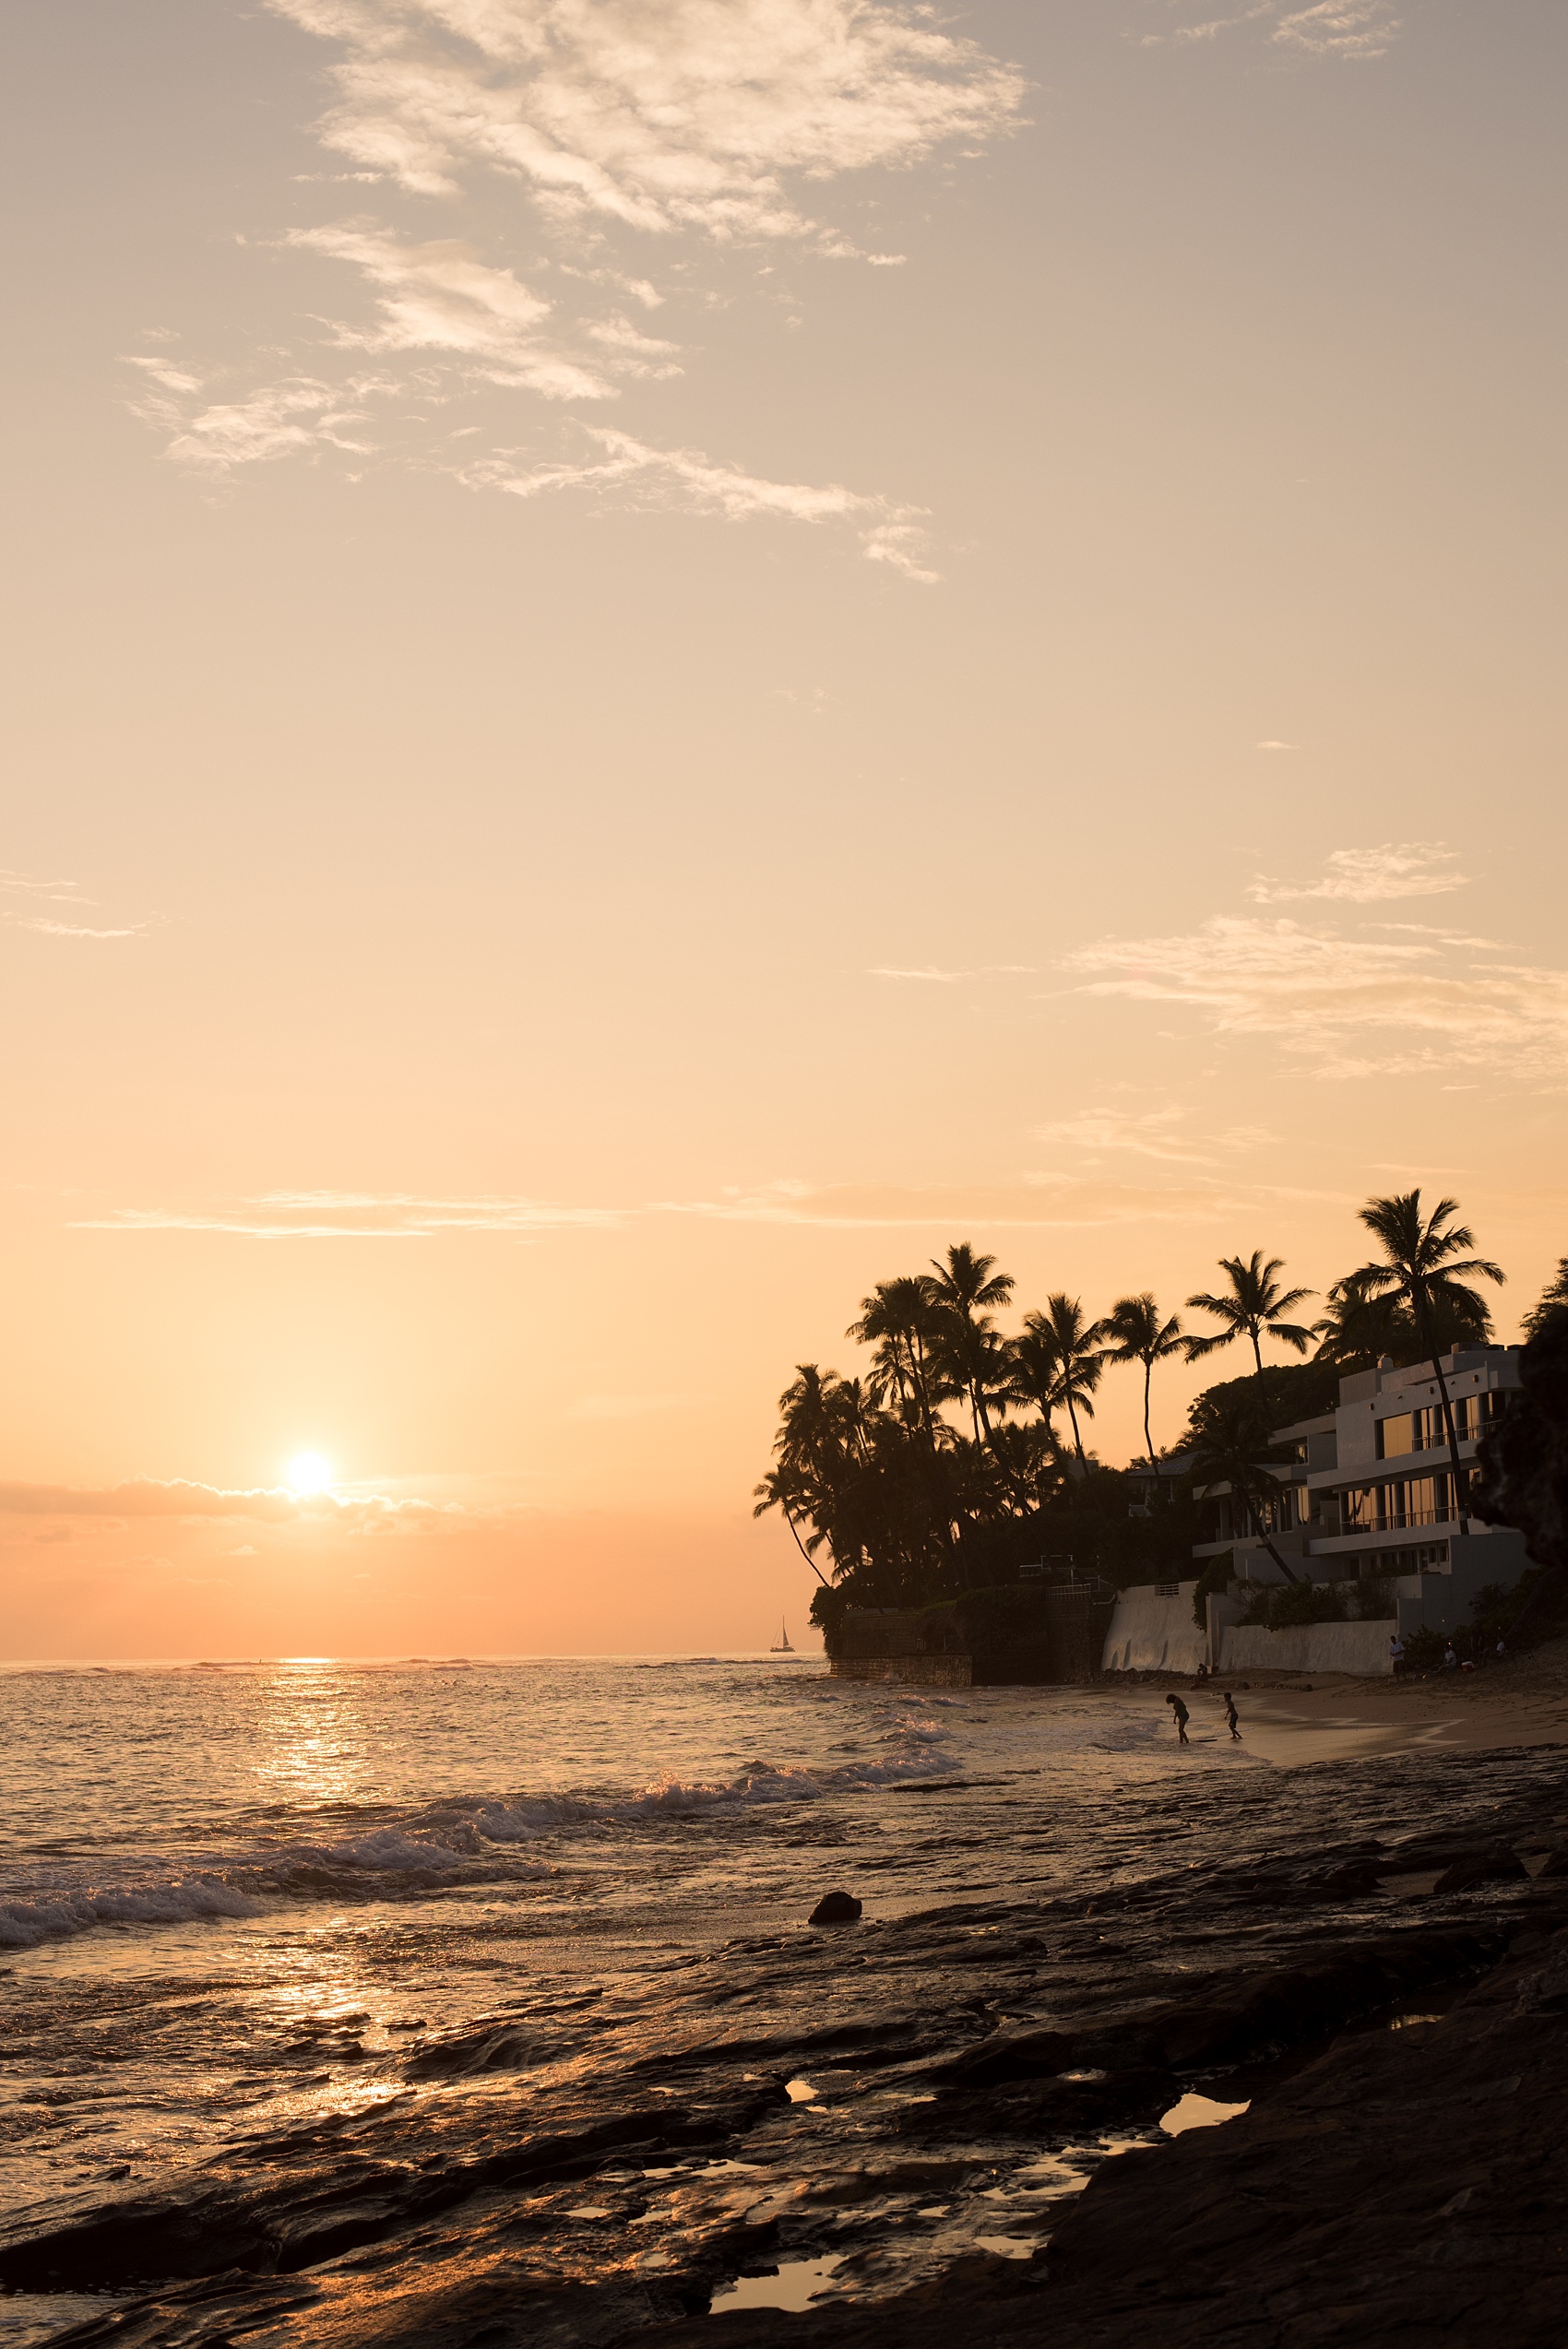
(1257, 1350)
(1148, 1373)
(1077, 1439)
(1450, 1429)
(805, 1553)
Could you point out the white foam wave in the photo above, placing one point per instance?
(55, 1916)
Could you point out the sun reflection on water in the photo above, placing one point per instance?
(312, 1737)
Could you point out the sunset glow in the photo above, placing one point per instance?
(309, 1473)
(655, 680)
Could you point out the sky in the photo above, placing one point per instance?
(664, 656)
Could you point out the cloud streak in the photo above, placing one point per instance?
(1369, 876)
(33, 892)
(685, 479)
(1352, 31)
(1323, 992)
(1036, 1202)
(697, 129)
(142, 1497)
(348, 1214)
(1147, 1134)
(687, 118)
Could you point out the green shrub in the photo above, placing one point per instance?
(1280, 1605)
(1423, 1650)
(1373, 1599)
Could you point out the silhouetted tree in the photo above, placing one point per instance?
(1137, 1334)
(1424, 1266)
(1253, 1306)
(1073, 1344)
(1551, 1305)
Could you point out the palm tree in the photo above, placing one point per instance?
(1232, 1441)
(971, 1349)
(785, 1489)
(1361, 1327)
(900, 1321)
(1425, 1269)
(1138, 1335)
(1552, 1305)
(1072, 1345)
(1253, 1305)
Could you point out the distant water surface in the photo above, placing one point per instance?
(231, 1895)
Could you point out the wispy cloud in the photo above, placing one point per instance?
(155, 1497)
(1148, 1133)
(949, 978)
(1043, 1201)
(346, 1215)
(1324, 992)
(633, 473)
(28, 894)
(1039, 1203)
(1366, 876)
(689, 117)
(1353, 29)
(625, 134)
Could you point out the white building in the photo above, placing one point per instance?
(1370, 1493)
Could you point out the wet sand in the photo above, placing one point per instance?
(1292, 1718)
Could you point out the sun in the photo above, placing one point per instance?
(309, 1473)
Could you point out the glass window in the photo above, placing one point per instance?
(1397, 1435)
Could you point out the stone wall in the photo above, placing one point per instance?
(906, 1671)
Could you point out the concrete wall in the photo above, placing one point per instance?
(1362, 1648)
(1153, 1634)
(906, 1671)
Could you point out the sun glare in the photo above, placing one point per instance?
(309, 1473)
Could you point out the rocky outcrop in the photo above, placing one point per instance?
(598, 2174)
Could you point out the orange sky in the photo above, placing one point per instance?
(658, 674)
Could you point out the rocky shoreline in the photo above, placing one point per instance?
(903, 2111)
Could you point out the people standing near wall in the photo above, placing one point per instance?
(1396, 1656)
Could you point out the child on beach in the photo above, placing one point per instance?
(1182, 1718)
(1231, 1718)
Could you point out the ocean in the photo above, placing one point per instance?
(204, 1865)
(246, 1905)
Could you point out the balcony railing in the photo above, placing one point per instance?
(1395, 1521)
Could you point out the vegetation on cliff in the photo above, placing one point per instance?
(959, 1453)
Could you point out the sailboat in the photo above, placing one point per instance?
(782, 1646)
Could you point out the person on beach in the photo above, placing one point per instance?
(1397, 1655)
(1233, 1718)
(1182, 1718)
(1450, 1658)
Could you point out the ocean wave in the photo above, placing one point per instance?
(453, 1844)
(55, 1915)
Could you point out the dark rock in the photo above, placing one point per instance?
(1481, 1868)
(1403, 2190)
(1011, 2055)
(492, 2048)
(835, 1909)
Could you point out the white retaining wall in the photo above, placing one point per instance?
(1362, 1648)
(1153, 1634)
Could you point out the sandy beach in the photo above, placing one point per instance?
(1290, 1719)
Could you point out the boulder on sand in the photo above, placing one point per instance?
(835, 1909)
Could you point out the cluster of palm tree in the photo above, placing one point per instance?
(874, 1473)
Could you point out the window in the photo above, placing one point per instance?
(1397, 1435)
(1390, 1508)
